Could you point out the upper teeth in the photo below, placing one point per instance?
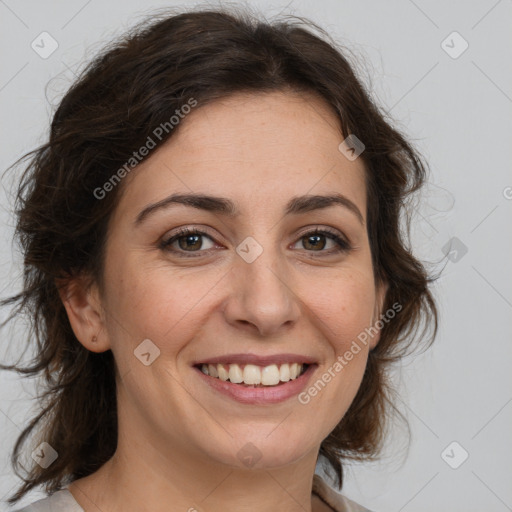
(252, 374)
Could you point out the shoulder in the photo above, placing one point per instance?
(336, 501)
(60, 501)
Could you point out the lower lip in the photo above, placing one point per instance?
(263, 395)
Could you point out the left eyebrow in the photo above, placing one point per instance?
(224, 206)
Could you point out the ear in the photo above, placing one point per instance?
(85, 312)
(380, 297)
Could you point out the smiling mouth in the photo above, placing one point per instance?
(252, 375)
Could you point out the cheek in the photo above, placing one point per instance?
(342, 311)
(344, 305)
(156, 303)
(343, 308)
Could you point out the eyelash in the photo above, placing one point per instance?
(343, 245)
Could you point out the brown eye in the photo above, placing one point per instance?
(188, 240)
(315, 241)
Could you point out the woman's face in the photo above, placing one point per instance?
(259, 282)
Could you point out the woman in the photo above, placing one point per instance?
(215, 272)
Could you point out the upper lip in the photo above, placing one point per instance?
(257, 360)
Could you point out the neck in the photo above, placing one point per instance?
(142, 477)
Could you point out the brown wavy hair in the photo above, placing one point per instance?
(132, 86)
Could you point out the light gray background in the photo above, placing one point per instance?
(458, 110)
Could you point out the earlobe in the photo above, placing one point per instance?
(84, 310)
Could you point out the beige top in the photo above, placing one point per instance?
(336, 501)
(63, 501)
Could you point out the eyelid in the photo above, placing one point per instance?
(322, 229)
(167, 240)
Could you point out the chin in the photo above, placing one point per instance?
(263, 451)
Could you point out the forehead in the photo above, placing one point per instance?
(257, 148)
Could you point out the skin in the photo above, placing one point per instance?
(178, 438)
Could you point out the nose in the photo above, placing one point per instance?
(262, 298)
